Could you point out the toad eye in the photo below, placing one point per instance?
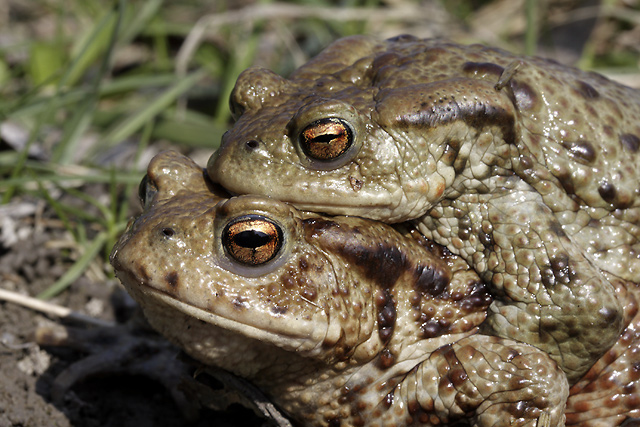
(252, 240)
(147, 191)
(326, 139)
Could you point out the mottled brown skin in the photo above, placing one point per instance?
(609, 394)
(351, 323)
(525, 168)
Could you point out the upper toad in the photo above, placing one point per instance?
(526, 168)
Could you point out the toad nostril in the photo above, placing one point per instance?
(251, 145)
(168, 232)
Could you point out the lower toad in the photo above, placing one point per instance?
(340, 321)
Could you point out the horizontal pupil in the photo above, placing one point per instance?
(326, 138)
(251, 239)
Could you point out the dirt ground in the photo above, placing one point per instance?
(31, 260)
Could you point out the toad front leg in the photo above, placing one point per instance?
(493, 381)
(548, 294)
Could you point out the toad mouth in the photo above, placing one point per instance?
(306, 337)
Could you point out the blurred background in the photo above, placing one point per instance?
(90, 90)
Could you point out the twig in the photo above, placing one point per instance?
(51, 309)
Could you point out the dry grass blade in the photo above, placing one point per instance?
(49, 308)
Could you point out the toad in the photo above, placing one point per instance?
(339, 320)
(169, 260)
(525, 168)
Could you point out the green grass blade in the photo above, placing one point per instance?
(532, 13)
(76, 269)
(45, 60)
(142, 16)
(93, 45)
(83, 116)
(192, 133)
(128, 126)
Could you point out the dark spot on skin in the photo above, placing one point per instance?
(550, 325)
(415, 299)
(566, 181)
(483, 69)
(478, 299)
(431, 329)
(450, 153)
(386, 315)
(608, 192)
(558, 271)
(610, 315)
(334, 422)
(418, 414)
(309, 294)
(519, 408)
(458, 376)
(445, 383)
(449, 355)
(385, 263)
(167, 232)
(630, 142)
(357, 419)
(608, 131)
(586, 90)
(573, 331)
(172, 279)
(464, 233)
(287, 281)
(556, 228)
(386, 359)
(512, 355)
(560, 262)
(561, 268)
(581, 151)
(592, 113)
(525, 97)
(278, 309)
(304, 266)
(526, 162)
(465, 222)
(486, 239)
(143, 273)
(413, 407)
(349, 393)
(382, 264)
(431, 281)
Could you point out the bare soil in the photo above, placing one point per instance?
(42, 252)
